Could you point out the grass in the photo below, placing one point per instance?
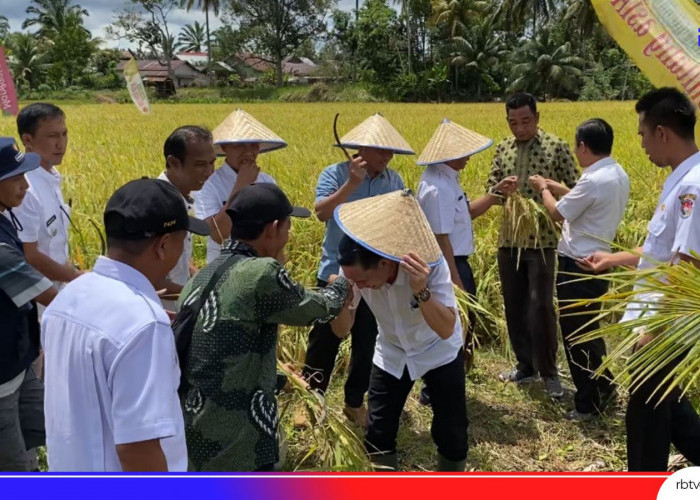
(511, 428)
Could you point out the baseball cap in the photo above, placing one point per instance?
(144, 208)
(261, 203)
(13, 161)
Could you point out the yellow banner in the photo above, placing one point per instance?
(660, 36)
(135, 86)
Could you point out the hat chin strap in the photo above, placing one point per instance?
(15, 221)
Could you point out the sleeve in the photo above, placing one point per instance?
(143, 387)
(567, 165)
(576, 201)
(20, 281)
(285, 301)
(440, 284)
(687, 239)
(29, 215)
(496, 174)
(399, 182)
(206, 202)
(328, 183)
(436, 208)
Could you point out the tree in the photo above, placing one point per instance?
(581, 16)
(546, 67)
(192, 37)
(206, 6)
(27, 60)
(378, 41)
(4, 28)
(277, 27)
(70, 51)
(52, 16)
(453, 16)
(227, 41)
(514, 13)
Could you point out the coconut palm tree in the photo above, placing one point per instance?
(515, 13)
(455, 15)
(4, 27)
(52, 16)
(192, 37)
(206, 6)
(580, 15)
(26, 60)
(546, 67)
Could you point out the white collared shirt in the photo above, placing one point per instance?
(111, 371)
(44, 215)
(593, 209)
(446, 207)
(405, 340)
(211, 198)
(181, 272)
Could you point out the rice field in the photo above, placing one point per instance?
(510, 429)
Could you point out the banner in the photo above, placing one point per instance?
(660, 36)
(8, 96)
(135, 86)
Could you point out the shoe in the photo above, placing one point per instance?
(424, 397)
(357, 416)
(577, 416)
(384, 463)
(517, 376)
(552, 387)
(445, 465)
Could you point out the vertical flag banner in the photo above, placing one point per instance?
(8, 96)
(660, 36)
(135, 86)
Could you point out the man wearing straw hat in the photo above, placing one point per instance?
(240, 138)
(366, 175)
(447, 207)
(526, 255)
(390, 254)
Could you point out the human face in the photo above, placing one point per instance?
(239, 154)
(49, 140)
(523, 123)
(374, 277)
(653, 142)
(169, 248)
(12, 191)
(198, 164)
(458, 164)
(377, 159)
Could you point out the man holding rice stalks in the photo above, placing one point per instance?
(527, 240)
(591, 213)
(658, 413)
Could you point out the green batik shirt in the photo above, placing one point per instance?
(230, 408)
(545, 155)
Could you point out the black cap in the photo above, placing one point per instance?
(144, 208)
(262, 203)
(13, 162)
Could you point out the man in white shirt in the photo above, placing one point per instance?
(667, 128)
(112, 371)
(416, 311)
(591, 213)
(189, 162)
(241, 138)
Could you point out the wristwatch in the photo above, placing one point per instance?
(422, 296)
(497, 193)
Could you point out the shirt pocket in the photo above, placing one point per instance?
(659, 241)
(461, 208)
(52, 224)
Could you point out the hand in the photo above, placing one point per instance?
(537, 182)
(247, 174)
(644, 339)
(417, 271)
(508, 185)
(556, 188)
(597, 262)
(358, 171)
(294, 374)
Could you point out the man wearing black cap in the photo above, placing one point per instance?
(21, 392)
(230, 407)
(111, 366)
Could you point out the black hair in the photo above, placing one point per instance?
(248, 230)
(597, 135)
(350, 253)
(29, 118)
(176, 143)
(521, 99)
(668, 107)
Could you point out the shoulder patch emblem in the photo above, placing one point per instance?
(285, 281)
(687, 203)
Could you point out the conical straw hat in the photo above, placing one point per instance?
(376, 132)
(450, 142)
(239, 127)
(390, 225)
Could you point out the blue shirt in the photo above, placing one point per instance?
(330, 180)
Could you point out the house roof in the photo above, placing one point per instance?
(255, 62)
(197, 59)
(152, 68)
(298, 66)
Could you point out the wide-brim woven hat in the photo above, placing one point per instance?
(390, 225)
(376, 132)
(450, 142)
(240, 128)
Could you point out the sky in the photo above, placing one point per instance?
(102, 15)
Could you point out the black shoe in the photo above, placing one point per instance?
(552, 387)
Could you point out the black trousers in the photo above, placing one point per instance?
(323, 349)
(387, 396)
(651, 428)
(528, 296)
(467, 276)
(584, 359)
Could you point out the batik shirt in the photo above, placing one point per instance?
(230, 407)
(545, 155)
